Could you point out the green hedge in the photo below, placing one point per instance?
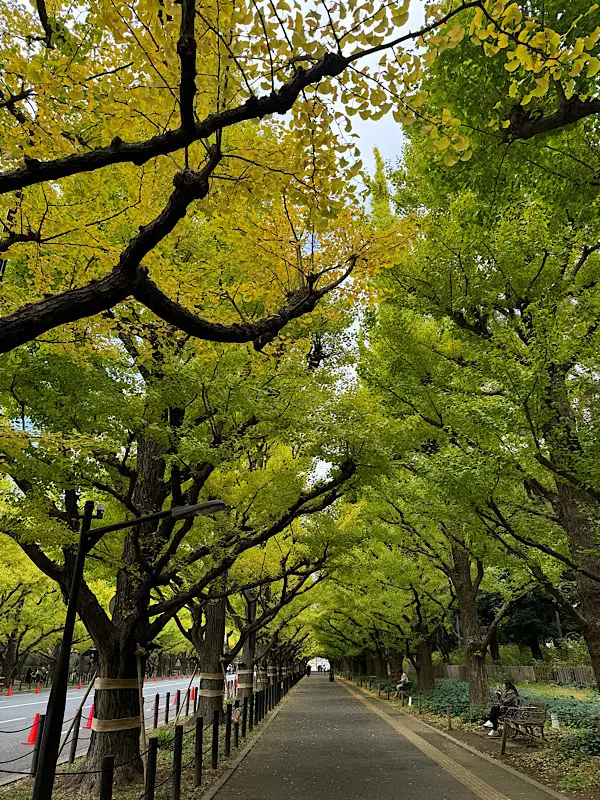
(572, 711)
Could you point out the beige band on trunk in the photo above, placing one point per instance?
(210, 676)
(245, 686)
(111, 725)
(110, 683)
(245, 672)
(210, 693)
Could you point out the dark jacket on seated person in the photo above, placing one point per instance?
(509, 697)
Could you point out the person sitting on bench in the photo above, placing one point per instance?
(401, 683)
(508, 697)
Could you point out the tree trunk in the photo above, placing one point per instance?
(536, 650)
(246, 682)
(210, 650)
(117, 641)
(396, 661)
(116, 662)
(577, 511)
(494, 647)
(577, 518)
(466, 595)
(10, 660)
(425, 678)
(379, 665)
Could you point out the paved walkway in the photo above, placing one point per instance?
(330, 742)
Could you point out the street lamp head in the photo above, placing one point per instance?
(198, 510)
(100, 509)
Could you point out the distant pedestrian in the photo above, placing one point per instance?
(402, 681)
(331, 676)
(308, 668)
(28, 675)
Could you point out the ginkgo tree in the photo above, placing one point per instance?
(159, 98)
(487, 340)
(31, 619)
(152, 422)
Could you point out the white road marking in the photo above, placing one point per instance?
(16, 719)
(18, 705)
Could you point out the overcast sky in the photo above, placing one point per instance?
(386, 134)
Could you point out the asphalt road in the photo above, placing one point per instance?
(18, 712)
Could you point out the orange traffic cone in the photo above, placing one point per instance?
(37, 688)
(88, 724)
(155, 677)
(193, 695)
(9, 693)
(79, 685)
(34, 730)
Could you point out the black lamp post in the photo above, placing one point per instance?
(55, 712)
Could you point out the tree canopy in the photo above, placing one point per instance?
(388, 379)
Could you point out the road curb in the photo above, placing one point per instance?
(218, 785)
(531, 781)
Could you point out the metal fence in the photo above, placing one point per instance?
(211, 742)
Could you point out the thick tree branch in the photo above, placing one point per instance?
(186, 50)
(138, 153)
(36, 318)
(261, 332)
(522, 125)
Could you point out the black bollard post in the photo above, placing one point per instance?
(151, 768)
(177, 703)
(236, 725)
(106, 777)
(74, 743)
(156, 707)
(167, 701)
(187, 703)
(177, 761)
(215, 738)
(36, 747)
(251, 713)
(198, 751)
(196, 699)
(244, 717)
(228, 730)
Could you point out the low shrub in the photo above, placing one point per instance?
(581, 744)
(454, 693)
(571, 711)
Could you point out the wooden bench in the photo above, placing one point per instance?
(525, 720)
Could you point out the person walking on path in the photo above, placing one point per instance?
(508, 697)
(308, 669)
